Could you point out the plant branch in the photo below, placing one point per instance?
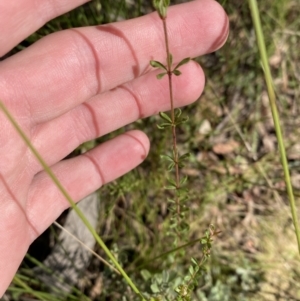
(174, 137)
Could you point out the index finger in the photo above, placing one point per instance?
(67, 68)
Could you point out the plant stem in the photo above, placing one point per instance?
(272, 99)
(174, 138)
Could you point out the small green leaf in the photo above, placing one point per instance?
(181, 121)
(203, 240)
(172, 182)
(171, 201)
(160, 127)
(157, 64)
(167, 158)
(183, 180)
(181, 160)
(187, 278)
(165, 117)
(185, 156)
(177, 113)
(165, 276)
(184, 61)
(161, 75)
(194, 261)
(170, 187)
(146, 275)
(171, 166)
(163, 125)
(183, 198)
(154, 288)
(181, 191)
(176, 72)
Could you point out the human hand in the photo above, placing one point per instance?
(76, 85)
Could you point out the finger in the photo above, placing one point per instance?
(67, 68)
(20, 18)
(109, 111)
(83, 175)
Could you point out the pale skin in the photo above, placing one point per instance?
(74, 86)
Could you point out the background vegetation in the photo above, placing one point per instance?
(235, 177)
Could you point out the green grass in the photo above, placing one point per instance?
(241, 190)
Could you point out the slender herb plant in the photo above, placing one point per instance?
(177, 205)
(176, 161)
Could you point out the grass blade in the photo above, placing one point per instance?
(272, 100)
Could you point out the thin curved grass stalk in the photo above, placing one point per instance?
(272, 100)
(87, 248)
(175, 161)
(69, 199)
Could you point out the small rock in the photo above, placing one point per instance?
(205, 127)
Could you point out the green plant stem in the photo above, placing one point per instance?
(272, 99)
(174, 138)
(69, 199)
